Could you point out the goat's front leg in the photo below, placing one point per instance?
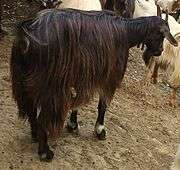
(99, 126)
(154, 78)
(172, 101)
(72, 124)
(150, 70)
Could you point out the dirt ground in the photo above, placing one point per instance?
(142, 129)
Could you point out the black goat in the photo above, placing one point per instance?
(61, 57)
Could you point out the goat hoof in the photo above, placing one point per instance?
(34, 140)
(47, 156)
(102, 135)
(72, 127)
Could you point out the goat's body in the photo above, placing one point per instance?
(82, 4)
(62, 57)
(74, 51)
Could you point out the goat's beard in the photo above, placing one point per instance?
(148, 54)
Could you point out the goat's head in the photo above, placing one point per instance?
(154, 41)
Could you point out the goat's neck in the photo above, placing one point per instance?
(137, 32)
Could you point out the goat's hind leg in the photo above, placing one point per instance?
(45, 154)
(33, 123)
(26, 108)
(72, 124)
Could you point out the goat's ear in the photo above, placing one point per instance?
(168, 35)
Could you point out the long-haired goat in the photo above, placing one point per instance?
(124, 8)
(81, 4)
(169, 60)
(61, 57)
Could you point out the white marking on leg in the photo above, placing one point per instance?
(99, 128)
(71, 124)
(38, 111)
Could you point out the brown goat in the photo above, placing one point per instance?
(61, 58)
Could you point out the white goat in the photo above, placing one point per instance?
(81, 4)
(170, 58)
(145, 8)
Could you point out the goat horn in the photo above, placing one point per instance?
(159, 11)
(169, 36)
(166, 15)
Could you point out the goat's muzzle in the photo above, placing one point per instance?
(148, 53)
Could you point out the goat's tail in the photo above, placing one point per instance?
(176, 163)
(17, 70)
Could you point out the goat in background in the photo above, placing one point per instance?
(170, 58)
